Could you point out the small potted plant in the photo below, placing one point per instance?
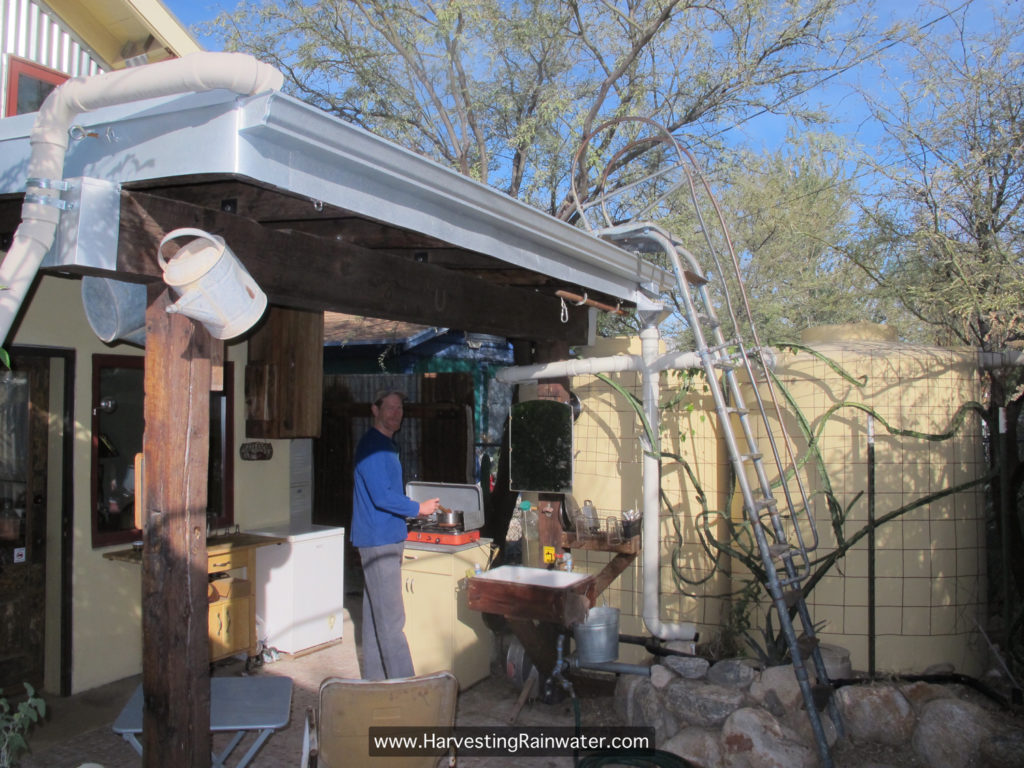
(14, 725)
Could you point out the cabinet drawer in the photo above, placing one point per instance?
(225, 561)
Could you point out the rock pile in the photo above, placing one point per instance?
(731, 715)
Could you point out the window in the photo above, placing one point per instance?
(28, 85)
(117, 425)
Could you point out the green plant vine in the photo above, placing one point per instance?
(740, 542)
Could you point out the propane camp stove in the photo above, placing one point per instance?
(467, 499)
(436, 534)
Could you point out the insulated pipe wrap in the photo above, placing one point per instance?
(236, 72)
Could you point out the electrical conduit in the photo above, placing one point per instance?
(236, 72)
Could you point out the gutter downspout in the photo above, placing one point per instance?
(649, 364)
(40, 214)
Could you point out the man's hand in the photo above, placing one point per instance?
(429, 507)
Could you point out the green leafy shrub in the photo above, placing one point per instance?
(14, 725)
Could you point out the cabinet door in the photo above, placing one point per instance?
(229, 627)
(429, 615)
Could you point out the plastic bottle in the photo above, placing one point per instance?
(477, 569)
(567, 559)
(531, 535)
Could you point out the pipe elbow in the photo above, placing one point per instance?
(237, 72)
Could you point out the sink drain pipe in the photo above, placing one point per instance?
(41, 211)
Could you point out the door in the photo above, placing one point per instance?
(24, 405)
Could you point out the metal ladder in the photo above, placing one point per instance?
(784, 529)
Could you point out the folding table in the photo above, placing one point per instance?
(239, 704)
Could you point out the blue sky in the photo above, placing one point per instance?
(192, 12)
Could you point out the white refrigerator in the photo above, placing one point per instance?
(299, 586)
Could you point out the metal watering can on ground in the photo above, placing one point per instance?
(212, 285)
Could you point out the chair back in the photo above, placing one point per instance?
(349, 708)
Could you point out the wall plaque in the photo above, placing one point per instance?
(258, 451)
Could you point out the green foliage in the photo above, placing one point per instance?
(15, 724)
(504, 91)
(943, 229)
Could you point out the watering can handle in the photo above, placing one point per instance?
(182, 232)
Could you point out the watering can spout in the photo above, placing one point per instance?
(211, 284)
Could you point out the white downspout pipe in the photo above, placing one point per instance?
(49, 141)
(651, 384)
(649, 364)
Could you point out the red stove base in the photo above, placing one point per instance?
(434, 537)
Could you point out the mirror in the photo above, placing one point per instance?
(540, 452)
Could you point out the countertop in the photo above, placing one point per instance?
(216, 544)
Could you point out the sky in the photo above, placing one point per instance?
(193, 12)
(764, 132)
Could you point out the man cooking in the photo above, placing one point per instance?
(379, 510)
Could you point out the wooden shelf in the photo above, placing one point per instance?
(599, 543)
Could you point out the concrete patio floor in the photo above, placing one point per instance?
(78, 729)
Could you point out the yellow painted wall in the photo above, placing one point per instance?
(106, 611)
(607, 470)
(930, 561)
(930, 578)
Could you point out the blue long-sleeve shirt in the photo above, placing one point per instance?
(379, 503)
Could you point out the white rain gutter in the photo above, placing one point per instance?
(40, 214)
(650, 365)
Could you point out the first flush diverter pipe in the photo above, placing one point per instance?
(650, 364)
(236, 72)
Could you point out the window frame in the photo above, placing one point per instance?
(102, 538)
(16, 67)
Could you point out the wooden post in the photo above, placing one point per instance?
(175, 645)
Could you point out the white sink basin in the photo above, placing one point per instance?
(537, 577)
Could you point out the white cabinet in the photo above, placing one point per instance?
(299, 587)
(443, 632)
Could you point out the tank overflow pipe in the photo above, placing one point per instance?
(40, 213)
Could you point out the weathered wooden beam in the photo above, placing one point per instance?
(175, 645)
(306, 272)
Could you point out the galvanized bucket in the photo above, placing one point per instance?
(597, 638)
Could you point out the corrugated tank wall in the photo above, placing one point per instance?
(929, 559)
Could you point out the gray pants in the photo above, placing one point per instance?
(385, 649)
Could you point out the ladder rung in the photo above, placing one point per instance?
(738, 411)
(693, 278)
(755, 456)
(806, 645)
(792, 597)
(821, 694)
(778, 550)
(705, 319)
(765, 503)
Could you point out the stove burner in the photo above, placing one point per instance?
(424, 530)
